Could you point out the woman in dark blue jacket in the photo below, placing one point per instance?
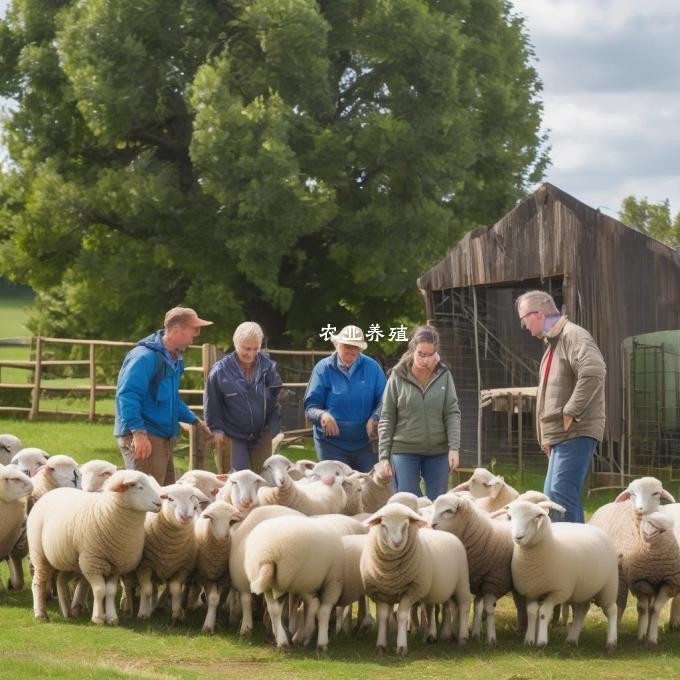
(240, 402)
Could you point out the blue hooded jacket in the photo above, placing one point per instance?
(241, 409)
(147, 393)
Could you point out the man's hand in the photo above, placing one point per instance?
(453, 459)
(141, 444)
(568, 421)
(387, 467)
(218, 437)
(330, 427)
(547, 449)
(201, 424)
(371, 428)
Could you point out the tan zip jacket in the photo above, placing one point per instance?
(575, 386)
(417, 420)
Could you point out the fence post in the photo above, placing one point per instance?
(197, 438)
(93, 384)
(35, 400)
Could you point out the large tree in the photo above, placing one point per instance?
(653, 219)
(298, 162)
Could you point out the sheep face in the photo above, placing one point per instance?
(14, 484)
(655, 525)
(64, 471)
(137, 490)
(30, 460)
(275, 470)
(645, 495)
(95, 473)
(209, 483)
(182, 503)
(301, 469)
(393, 522)
(241, 489)
(9, 447)
(482, 484)
(527, 519)
(447, 509)
(221, 516)
(331, 472)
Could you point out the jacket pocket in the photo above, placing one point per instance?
(164, 392)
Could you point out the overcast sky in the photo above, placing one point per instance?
(611, 73)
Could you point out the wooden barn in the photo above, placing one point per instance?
(611, 279)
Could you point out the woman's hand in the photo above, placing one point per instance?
(387, 468)
(330, 426)
(371, 428)
(453, 459)
(218, 437)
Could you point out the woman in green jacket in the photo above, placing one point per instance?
(419, 426)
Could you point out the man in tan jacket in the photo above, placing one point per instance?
(570, 408)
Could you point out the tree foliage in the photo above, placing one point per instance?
(298, 162)
(653, 219)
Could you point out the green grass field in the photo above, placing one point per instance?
(77, 649)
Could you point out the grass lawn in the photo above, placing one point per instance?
(77, 649)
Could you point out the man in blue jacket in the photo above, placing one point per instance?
(343, 401)
(148, 407)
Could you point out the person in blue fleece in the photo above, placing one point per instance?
(148, 407)
(240, 402)
(343, 401)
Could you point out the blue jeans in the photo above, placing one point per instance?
(408, 468)
(567, 470)
(362, 459)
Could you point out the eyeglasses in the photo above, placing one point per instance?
(422, 355)
(521, 319)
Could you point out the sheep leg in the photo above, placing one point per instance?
(659, 603)
(674, 618)
(403, 615)
(521, 607)
(490, 610)
(145, 594)
(580, 611)
(194, 597)
(275, 609)
(303, 635)
(214, 592)
(565, 614)
(98, 594)
(175, 588)
(79, 596)
(329, 597)
(643, 604)
(463, 606)
(42, 575)
(383, 612)
(545, 612)
(445, 633)
(294, 613)
(247, 617)
(127, 600)
(63, 593)
(432, 624)
(110, 613)
(364, 618)
(16, 573)
(611, 612)
(532, 617)
(477, 619)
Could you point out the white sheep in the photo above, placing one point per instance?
(9, 447)
(352, 586)
(213, 543)
(240, 490)
(94, 473)
(207, 482)
(673, 511)
(30, 460)
(301, 469)
(489, 548)
(620, 520)
(58, 472)
(561, 562)
(169, 547)
(237, 575)
(296, 555)
(405, 564)
(15, 486)
(410, 500)
(491, 491)
(100, 536)
(377, 488)
(653, 571)
(323, 495)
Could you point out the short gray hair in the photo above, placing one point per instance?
(247, 330)
(539, 301)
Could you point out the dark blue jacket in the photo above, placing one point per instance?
(351, 399)
(241, 409)
(147, 394)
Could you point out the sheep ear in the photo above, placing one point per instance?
(499, 513)
(106, 474)
(373, 520)
(235, 519)
(207, 515)
(551, 505)
(496, 487)
(261, 481)
(222, 477)
(623, 496)
(665, 495)
(465, 486)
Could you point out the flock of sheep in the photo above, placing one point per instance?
(315, 538)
